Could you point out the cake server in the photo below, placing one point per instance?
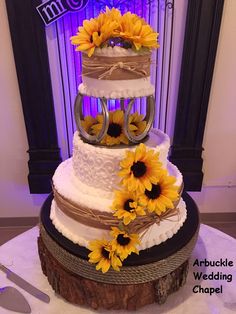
(11, 299)
(20, 282)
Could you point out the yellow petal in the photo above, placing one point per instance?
(97, 40)
(147, 184)
(124, 139)
(91, 51)
(118, 117)
(137, 45)
(140, 152)
(89, 25)
(85, 46)
(137, 27)
(132, 127)
(166, 201)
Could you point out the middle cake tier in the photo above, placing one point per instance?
(96, 167)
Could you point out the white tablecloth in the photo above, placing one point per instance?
(21, 256)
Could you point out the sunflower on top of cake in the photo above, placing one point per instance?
(116, 55)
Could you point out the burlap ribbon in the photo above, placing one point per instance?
(87, 216)
(116, 68)
(106, 220)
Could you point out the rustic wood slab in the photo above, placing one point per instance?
(82, 291)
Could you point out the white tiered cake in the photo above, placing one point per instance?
(116, 233)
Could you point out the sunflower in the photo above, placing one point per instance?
(162, 194)
(93, 33)
(137, 120)
(123, 243)
(115, 133)
(103, 255)
(113, 14)
(126, 206)
(87, 123)
(136, 30)
(140, 169)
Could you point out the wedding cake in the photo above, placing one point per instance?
(115, 228)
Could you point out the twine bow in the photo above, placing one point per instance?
(129, 66)
(142, 224)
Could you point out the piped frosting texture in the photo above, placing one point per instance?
(117, 52)
(71, 187)
(97, 166)
(116, 89)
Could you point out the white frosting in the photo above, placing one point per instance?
(114, 89)
(118, 52)
(82, 234)
(72, 188)
(97, 166)
(89, 179)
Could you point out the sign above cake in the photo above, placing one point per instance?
(52, 10)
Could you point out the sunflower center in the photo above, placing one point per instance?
(123, 240)
(127, 206)
(114, 130)
(105, 253)
(155, 192)
(139, 169)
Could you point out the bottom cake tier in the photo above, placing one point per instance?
(145, 278)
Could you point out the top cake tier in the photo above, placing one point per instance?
(116, 55)
(116, 73)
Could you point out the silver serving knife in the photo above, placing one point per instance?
(12, 299)
(20, 282)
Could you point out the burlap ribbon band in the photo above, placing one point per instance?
(116, 68)
(106, 220)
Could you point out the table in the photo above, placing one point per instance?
(20, 255)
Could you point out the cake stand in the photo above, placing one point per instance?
(95, 139)
(144, 279)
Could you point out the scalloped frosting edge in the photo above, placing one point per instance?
(131, 90)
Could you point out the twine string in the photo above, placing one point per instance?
(128, 274)
(142, 224)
